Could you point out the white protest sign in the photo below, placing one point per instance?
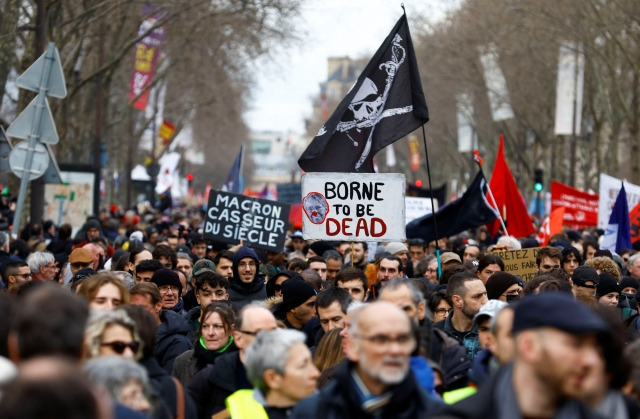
(353, 206)
(609, 189)
(415, 207)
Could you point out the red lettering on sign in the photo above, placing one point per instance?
(381, 224)
(362, 225)
(332, 222)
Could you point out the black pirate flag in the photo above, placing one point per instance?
(385, 104)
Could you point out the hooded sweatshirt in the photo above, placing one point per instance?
(243, 293)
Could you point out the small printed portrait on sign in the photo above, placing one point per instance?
(315, 207)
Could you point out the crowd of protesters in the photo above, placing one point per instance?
(140, 315)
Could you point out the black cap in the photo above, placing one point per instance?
(558, 310)
(582, 274)
(606, 285)
(295, 292)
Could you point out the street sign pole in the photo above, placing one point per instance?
(30, 160)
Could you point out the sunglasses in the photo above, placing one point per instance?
(277, 287)
(119, 346)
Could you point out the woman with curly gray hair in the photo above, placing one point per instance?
(111, 333)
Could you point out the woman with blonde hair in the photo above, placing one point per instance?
(328, 354)
(111, 333)
(104, 291)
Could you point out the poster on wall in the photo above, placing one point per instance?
(73, 200)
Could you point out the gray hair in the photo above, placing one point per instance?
(416, 295)
(36, 260)
(270, 350)
(510, 241)
(127, 279)
(113, 372)
(183, 255)
(99, 321)
(4, 239)
(355, 306)
(632, 259)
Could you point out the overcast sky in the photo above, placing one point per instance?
(282, 97)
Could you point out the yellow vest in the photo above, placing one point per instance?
(454, 396)
(242, 405)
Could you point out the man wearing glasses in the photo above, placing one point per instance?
(377, 380)
(16, 273)
(43, 266)
(247, 284)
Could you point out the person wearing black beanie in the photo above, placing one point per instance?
(501, 284)
(608, 290)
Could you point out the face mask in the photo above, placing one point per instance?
(512, 298)
(629, 297)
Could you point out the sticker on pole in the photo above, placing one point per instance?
(362, 207)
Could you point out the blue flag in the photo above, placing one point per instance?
(618, 233)
(235, 180)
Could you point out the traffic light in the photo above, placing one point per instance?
(418, 183)
(190, 179)
(537, 180)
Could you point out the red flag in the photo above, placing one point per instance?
(552, 225)
(634, 221)
(510, 203)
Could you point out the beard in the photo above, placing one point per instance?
(392, 369)
(468, 311)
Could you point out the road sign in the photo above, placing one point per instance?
(37, 113)
(39, 160)
(39, 78)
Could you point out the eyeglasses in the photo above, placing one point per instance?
(432, 271)
(245, 265)
(443, 311)
(383, 341)
(166, 288)
(277, 287)
(246, 332)
(119, 346)
(25, 276)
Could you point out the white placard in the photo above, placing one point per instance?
(609, 189)
(417, 207)
(353, 206)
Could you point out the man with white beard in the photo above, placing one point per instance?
(375, 380)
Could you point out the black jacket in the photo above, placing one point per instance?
(210, 387)
(497, 400)
(340, 399)
(163, 391)
(172, 338)
(241, 293)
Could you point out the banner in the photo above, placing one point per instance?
(260, 223)
(569, 89)
(165, 135)
(496, 84)
(581, 207)
(146, 58)
(609, 188)
(370, 208)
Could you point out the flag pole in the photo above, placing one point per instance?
(478, 159)
(433, 211)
